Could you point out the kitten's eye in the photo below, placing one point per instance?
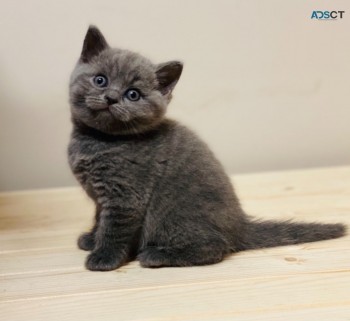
(100, 81)
(132, 94)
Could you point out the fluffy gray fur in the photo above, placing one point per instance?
(161, 195)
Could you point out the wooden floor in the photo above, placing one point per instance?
(42, 275)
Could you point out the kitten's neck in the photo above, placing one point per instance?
(83, 129)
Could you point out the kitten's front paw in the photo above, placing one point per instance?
(86, 242)
(103, 261)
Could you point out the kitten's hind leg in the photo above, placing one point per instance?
(189, 255)
(86, 241)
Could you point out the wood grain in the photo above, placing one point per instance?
(42, 275)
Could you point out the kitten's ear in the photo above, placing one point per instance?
(168, 75)
(94, 43)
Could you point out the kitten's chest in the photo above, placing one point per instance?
(117, 160)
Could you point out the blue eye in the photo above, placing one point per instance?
(100, 81)
(133, 95)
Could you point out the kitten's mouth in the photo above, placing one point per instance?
(119, 113)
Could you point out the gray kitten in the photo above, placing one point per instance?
(161, 195)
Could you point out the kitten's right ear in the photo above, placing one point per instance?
(94, 43)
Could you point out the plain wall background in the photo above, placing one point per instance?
(263, 84)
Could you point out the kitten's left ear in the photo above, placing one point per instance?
(94, 43)
(168, 75)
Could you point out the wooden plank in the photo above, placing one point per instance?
(54, 273)
(51, 218)
(319, 313)
(25, 241)
(313, 181)
(72, 258)
(207, 300)
(43, 278)
(51, 209)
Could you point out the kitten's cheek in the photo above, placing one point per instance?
(98, 107)
(81, 113)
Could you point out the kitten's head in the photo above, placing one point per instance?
(119, 92)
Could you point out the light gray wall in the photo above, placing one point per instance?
(263, 84)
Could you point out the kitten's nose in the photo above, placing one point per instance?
(111, 100)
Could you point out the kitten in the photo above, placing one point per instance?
(161, 195)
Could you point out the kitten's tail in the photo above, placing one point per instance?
(261, 234)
